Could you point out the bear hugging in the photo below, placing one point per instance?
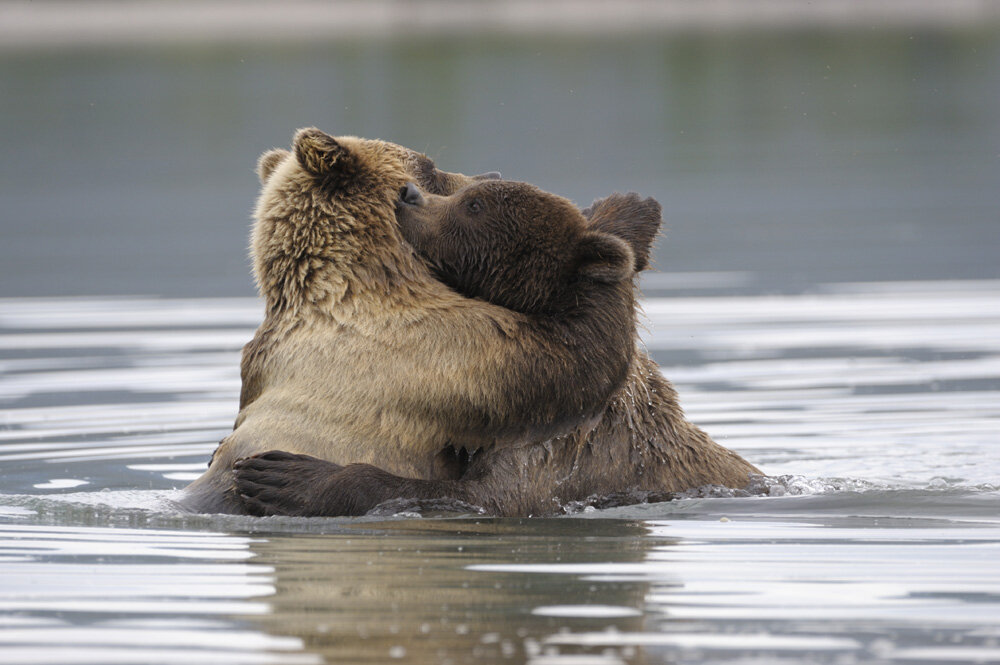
(435, 336)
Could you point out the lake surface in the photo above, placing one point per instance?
(828, 305)
(874, 407)
(801, 157)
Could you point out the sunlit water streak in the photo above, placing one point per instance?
(875, 407)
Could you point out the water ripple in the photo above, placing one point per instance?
(875, 408)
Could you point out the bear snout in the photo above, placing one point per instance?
(411, 195)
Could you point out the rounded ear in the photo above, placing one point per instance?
(631, 218)
(318, 152)
(268, 162)
(604, 258)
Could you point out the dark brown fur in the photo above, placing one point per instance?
(516, 246)
(643, 443)
(365, 357)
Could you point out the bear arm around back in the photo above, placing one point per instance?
(513, 481)
(348, 301)
(532, 252)
(621, 229)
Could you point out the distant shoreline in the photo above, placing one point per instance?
(83, 23)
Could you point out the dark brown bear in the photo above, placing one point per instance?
(489, 241)
(364, 356)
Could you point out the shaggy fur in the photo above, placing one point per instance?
(643, 446)
(365, 357)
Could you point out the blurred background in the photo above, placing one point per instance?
(790, 143)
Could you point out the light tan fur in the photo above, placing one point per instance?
(643, 447)
(363, 356)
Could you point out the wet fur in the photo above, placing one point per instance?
(643, 442)
(365, 357)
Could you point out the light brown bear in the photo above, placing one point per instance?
(365, 357)
(488, 241)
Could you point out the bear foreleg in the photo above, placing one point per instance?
(282, 483)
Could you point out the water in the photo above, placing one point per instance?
(799, 157)
(828, 305)
(874, 406)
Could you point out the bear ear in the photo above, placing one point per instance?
(631, 218)
(318, 152)
(268, 162)
(604, 258)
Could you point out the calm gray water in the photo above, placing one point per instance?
(801, 157)
(875, 406)
(828, 305)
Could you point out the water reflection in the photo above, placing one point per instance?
(100, 595)
(424, 591)
(879, 549)
(726, 591)
(680, 585)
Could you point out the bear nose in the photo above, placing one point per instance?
(411, 195)
(489, 175)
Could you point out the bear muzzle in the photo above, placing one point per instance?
(410, 195)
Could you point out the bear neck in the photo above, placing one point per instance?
(318, 285)
(341, 258)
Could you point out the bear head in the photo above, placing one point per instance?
(519, 247)
(325, 226)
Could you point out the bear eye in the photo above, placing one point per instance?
(475, 205)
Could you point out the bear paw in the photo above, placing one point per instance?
(282, 483)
